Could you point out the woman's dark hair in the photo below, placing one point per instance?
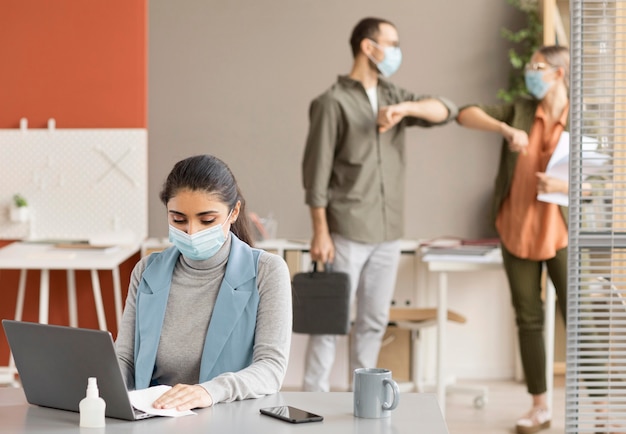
(210, 174)
(367, 28)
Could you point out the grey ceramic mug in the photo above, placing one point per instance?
(375, 393)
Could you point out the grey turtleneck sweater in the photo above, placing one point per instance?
(192, 297)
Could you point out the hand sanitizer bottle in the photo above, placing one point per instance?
(92, 407)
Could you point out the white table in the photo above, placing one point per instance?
(26, 256)
(444, 264)
(417, 413)
(282, 246)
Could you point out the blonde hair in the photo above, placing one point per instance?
(557, 55)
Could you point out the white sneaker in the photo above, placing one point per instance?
(535, 420)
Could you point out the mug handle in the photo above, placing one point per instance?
(396, 394)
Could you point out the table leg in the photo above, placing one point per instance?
(97, 295)
(21, 293)
(71, 298)
(19, 311)
(44, 296)
(117, 294)
(442, 309)
(417, 357)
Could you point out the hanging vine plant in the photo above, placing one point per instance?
(526, 41)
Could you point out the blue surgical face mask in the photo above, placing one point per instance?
(391, 62)
(201, 245)
(535, 84)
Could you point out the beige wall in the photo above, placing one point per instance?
(235, 78)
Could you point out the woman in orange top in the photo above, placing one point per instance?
(531, 232)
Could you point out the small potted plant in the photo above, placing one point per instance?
(19, 211)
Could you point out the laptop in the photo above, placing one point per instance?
(54, 363)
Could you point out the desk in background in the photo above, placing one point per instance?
(44, 257)
(450, 263)
(411, 250)
(295, 253)
(444, 264)
(416, 414)
(34, 256)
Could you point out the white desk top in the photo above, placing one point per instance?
(416, 414)
(460, 262)
(284, 244)
(20, 255)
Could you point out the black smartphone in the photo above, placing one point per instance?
(291, 414)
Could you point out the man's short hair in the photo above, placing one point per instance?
(367, 28)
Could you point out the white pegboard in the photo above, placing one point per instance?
(78, 182)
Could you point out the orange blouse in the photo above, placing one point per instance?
(529, 228)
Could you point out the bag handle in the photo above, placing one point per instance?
(328, 266)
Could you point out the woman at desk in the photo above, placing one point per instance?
(531, 232)
(210, 315)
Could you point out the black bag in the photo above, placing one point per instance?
(321, 302)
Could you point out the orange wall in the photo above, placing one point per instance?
(84, 63)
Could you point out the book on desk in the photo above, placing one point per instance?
(59, 245)
(464, 250)
(460, 246)
(85, 246)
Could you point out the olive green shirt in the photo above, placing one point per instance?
(351, 169)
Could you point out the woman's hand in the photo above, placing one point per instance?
(548, 184)
(184, 397)
(518, 139)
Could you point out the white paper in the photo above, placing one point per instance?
(143, 399)
(557, 198)
(558, 166)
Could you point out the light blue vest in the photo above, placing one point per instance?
(230, 337)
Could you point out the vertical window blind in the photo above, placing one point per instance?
(595, 386)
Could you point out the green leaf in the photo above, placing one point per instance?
(526, 41)
(19, 201)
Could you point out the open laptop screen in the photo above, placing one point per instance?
(54, 363)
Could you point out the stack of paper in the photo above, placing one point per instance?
(558, 166)
(461, 250)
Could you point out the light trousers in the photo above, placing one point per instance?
(373, 269)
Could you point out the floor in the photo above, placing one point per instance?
(507, 401)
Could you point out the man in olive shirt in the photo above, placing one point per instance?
(353, 174)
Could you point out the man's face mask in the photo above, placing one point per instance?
(391, 62)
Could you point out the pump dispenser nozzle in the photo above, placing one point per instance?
(92, 388)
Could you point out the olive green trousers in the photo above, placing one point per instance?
(524, 278)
